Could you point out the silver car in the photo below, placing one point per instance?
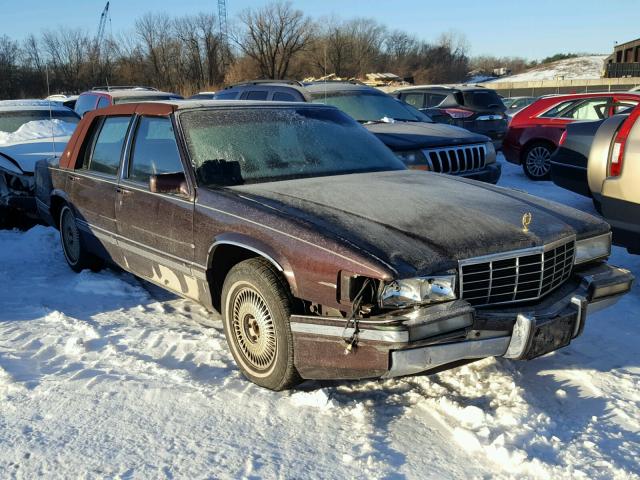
(614, 172)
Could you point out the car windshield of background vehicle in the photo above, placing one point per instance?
(253, 145)
(12, 121)
(146, 98)
(368, 107)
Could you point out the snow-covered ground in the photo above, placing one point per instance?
(578, 68)
(102, 375)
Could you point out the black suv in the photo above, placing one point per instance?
(477, 109)
(411, 135)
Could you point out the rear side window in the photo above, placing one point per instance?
(85, 103)
(257, 95)
(559, 109)
(414, 99)
(435, 99)
(103, 102)
(482, 99)
(283, 97)
(155, 150)
(107, 150)
(226, 96)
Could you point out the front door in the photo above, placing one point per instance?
(92, 187)
(155, 230)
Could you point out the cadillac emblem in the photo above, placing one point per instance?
(526, 221)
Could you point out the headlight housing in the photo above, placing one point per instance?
(413, 159)
(420, 290)
(593, 248)
(491, 153)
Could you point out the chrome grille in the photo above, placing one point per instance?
(516, 276)
(456, 159)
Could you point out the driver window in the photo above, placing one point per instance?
(154, 151)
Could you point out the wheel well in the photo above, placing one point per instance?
(56, 205)
(533, 142)
(224, 258)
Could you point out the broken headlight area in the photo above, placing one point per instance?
(418, 291)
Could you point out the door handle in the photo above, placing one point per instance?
(73, 178)
(123, 191)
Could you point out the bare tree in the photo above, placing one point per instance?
(272, 36)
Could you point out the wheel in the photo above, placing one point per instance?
(537, 161)
(255, 314)
(75, 252)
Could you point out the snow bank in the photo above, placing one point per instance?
(38, 129)
(578, 68)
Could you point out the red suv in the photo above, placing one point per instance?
(535, 132)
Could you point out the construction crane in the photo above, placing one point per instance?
(101, 27)
(224, 33)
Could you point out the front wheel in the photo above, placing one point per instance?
(255, 313)
(74, 250)
(537, 161)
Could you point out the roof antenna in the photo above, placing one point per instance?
(325, 73)
(53, 137)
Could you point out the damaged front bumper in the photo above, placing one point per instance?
(430, 338)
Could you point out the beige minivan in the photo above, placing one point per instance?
(614, 176)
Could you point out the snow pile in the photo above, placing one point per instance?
(578, 68)
(102, 375)
(39, 129)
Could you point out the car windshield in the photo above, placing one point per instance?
(252, 145)
(145, 98)
(369, 106)
(12, 121)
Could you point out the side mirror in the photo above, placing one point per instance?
(169, 183)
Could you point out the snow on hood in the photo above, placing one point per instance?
(33, 142)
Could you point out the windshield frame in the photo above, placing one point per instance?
(184, 144)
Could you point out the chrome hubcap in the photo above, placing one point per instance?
(539, 161)
(253, 329)
(70, 237)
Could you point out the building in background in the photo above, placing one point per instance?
(624, 61)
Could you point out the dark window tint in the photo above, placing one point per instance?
(107, 151)
(85, 103)
(284, 97)
(226, 96)
(435, 99)
(155, 150)
(414, 99)
(257, 95)
(103, 102)
(482, 99)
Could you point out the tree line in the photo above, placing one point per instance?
(188, 54)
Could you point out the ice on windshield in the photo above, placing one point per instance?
(232, 147)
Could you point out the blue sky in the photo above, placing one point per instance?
(533, 29)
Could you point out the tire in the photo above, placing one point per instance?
(75, 252)
(256, 305)
(536, 161)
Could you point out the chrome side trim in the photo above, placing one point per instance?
(242, 245)
(416, 360)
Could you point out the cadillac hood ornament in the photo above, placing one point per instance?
(526, 221)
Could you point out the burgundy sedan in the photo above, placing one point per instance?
(535, 132)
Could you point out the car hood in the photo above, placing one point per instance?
(421, 222)
(418, 135)
(24, 155)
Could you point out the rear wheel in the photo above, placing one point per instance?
(73, 247)
(537, 161)
(255, 312)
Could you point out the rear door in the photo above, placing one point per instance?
(155, 230)
(92, 187)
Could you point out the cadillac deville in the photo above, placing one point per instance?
(325, 256)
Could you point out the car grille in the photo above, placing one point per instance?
(456, 159)
(516, 276)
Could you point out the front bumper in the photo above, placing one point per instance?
(490, 173)
(422, 340)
